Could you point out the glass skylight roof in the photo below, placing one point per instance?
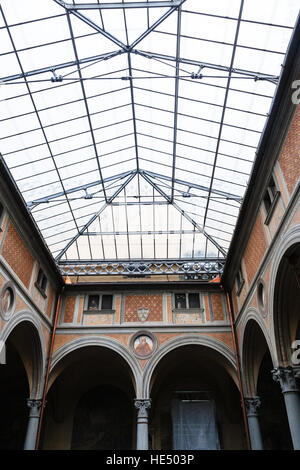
(131, 128)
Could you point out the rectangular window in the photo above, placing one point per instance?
(180, 300)
(41, 282)
(239, 281)
(93, 302)
(100, 302)
(270, 198)
(107, 302)
(187, 301)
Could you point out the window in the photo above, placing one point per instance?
(240, 281)
(187, 300)
(100, 302)
(41, 282)
(270, 198)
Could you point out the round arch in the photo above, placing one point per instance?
(249, 360)
(175, 343)
(278, 328)
(36, 373)
(105, 342)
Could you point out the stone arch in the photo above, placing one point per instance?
(250, 358)
(101, 341)
(201, 340)
(35, 370)
(279, 326)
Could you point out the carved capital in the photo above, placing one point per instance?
(252, 406)
(142, 406)
(34, 407)
(286, 377)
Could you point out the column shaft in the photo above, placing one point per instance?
(142, 424)
(33, 423)
(252, 406)
(286, 377)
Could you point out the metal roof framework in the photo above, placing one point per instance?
(131, 128)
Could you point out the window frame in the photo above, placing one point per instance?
(86, 310)
(271, 194)
(188, 309)
(40, 279)
(240, 281)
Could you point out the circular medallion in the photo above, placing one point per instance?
(7, 301)
(262, 298)
(143, 344)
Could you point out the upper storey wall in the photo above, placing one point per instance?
(28, 282)
(273, 223)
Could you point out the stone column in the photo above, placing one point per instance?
(286, 377)
(33, 423)
(142, 406)
(252, 406)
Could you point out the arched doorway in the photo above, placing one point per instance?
(287, 304)
(19, 378)
(195, 402)
(257, 367)
(90, 403)
(103, 420)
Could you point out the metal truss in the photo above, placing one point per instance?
(113, 6)
(94, 217)
(204, 270)
(84, 188)
(226, 142)
(201, 65)
(184, 214)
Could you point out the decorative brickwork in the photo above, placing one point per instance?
(206, 307)
(289, 159)
(17, 255)
(217, 305)
(148, 301)
(69, 309)
(255, 251)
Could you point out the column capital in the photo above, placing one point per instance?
(252, 406)
(142, 405)
(34, 407)
(286, 377)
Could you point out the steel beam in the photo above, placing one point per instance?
(50, 68)
(93, 25)
(142, 232)
(224, 108)
(62, 252)
(197, 63)
(47, 199)
(192, 185)
(152, 27)
(204, 269)
(118, 5)
(176, 101)
(184, 214)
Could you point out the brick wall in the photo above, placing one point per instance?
(17, 255)
(69, 309)
(152, 301)
(216, 301)
(255, 251)
(289, 159)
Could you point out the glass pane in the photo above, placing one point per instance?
(194, 300)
